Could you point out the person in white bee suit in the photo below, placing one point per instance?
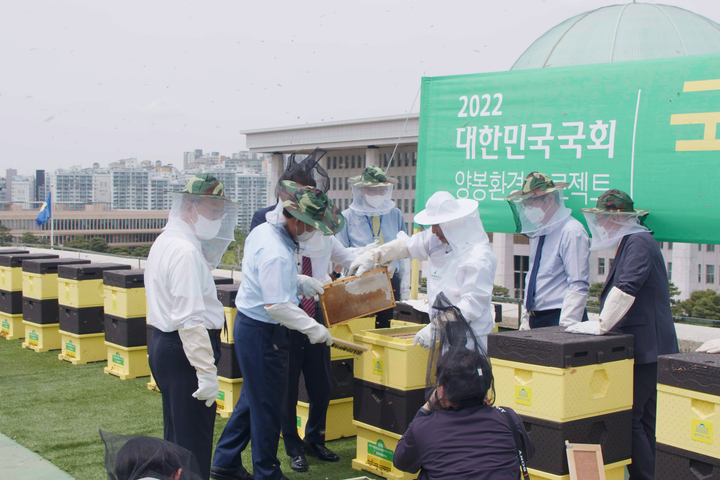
(461, 261)
(558, 281)
(183, 308)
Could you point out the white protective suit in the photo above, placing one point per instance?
(464, 268)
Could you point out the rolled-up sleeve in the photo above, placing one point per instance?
(575, 255)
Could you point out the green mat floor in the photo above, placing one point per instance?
(56, 409)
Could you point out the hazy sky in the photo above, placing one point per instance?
(88, 81)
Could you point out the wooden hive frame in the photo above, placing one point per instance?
(355, 297)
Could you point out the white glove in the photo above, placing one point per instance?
(525, 321)
(199, 352)
(405, 295)
(295, 318)
(384, 255)
(308, 286)
(616, 306)
(711, 346)
(362, 263)
(573, 308)
(424, 337)
(588, 328)
(366, 248)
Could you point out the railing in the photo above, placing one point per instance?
(92, 252)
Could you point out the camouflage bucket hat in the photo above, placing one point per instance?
(206, 185)
(311, 206)
(372, 176)
(615, 202)
(536, 184)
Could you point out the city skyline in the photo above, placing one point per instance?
(97, 82)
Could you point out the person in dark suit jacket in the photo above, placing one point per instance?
(259, 216)
(636, 301)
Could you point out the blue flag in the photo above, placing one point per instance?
(45, 211)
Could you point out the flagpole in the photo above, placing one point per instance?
(52, 222)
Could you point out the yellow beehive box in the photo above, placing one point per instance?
(227, 333)
(41, 338)
(687, 419)
(375, 450)
(613, 471)
(82, 349)
(125, 302)
(228, 395)
(80, 293)
(563, 394)
(401, 323)
(392, 360)
(81, 286)
(11, 326)
(40, 286)
(126, 362)
(338, 421)
(11, 279)
(346, 331)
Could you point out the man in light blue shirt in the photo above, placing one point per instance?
(558, 282)
(267, 304)
(373, 218)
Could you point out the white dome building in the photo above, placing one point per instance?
(623, 33)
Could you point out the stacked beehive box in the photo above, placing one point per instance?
(688, 408)
(125, 326)
(567, 387)
(81, 311)
(339, 419)
(229, 374)
(11, 326)
(40, 302)
(389, 388)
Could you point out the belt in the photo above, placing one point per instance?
(540, 313)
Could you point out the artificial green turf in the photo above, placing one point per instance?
(55, 408)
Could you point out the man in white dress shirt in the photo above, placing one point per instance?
(186, 314)
(558, 282)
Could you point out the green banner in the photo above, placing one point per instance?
(646, 127)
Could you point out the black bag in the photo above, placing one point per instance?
(518, 444)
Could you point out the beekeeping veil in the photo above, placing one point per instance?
(203, 213)
(459, 362)
(613, 218)
(539, 206)
(307, 171)
(137, 457)
(372, 192)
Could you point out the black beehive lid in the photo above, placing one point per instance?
(12, 251)
(15, 260)
(223, 280)
(47, 266)
(88, 272)
(553, 347)
(699, 372)
(227, 294)
(124, 278)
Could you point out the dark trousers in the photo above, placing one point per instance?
(314, 362)
(549, 318)
(382, 319)
(187, 421)
(643, 422)
(262, 350)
